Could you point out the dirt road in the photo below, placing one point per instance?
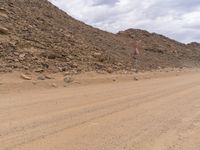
(155, 114)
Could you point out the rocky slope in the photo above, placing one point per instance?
(37, 36)
(194, 46)
(160, 51)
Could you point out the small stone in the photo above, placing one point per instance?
(34, 83)
(109, 70)
(136, 79)
(22, 55)
(12, 43)
(67, 73)
(41, 77)
(26, 67)
(39, 70)
(45, 65)
(3, 12)
(68, 80)
(48, 77)
(52, 56)
(74, 72)
(10, 58)
(75, 65)
(16, 60)
(54, 85)
(4, 30)
(25, 77)
(16, 53)
(97, 54)
(61, 69)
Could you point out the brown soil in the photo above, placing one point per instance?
(156, 114)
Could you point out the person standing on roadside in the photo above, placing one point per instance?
(135, 55)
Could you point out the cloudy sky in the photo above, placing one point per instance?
(177, 19)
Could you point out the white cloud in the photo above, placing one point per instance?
(177, 19)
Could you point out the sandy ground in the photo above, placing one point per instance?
(160, 111)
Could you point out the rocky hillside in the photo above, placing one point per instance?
(194, 46)
(160, 51)
(37, 36)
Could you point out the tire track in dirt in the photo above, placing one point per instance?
(38, 127)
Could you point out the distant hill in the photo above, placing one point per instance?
(37, 36)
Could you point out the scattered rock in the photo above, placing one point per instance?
(75, 65)
(3, 12)
(22, 55)
(16, 60)
(4, 30)
(97, 54)
(52, 56)
(25, 77)
(68, 79)
(48, 77)
(40, 70)
(99, 66)
(34, 83)
(26, 67)
(136, 78)
(12, 44)
(16, 53)
(74, 72)
(67, 73)
(109, 70)
(54, 85)
(41, 77)
(45, 65)
(61, 69)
